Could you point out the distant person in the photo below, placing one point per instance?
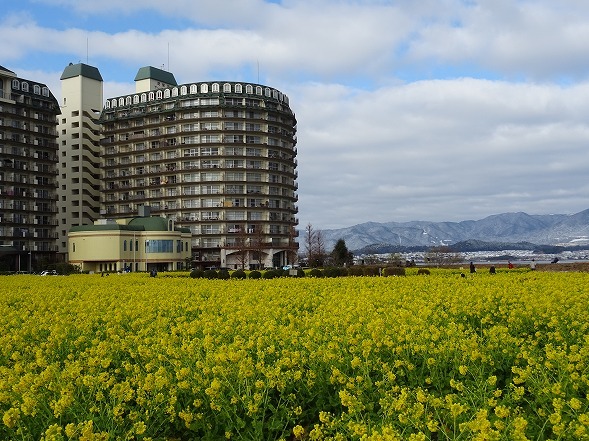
(509, 265)
(492, 269)
(533, 264)
(472, 268)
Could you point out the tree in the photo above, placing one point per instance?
(340, 254)
(242, 253)
(258, 245)
(315, 246)
(309, 242)
(293, 247)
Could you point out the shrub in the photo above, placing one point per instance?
(356, 271)
(330, 272)
(255, 274)
(424, 271)
(238, 274)
(300, 272)
(371, 271)
(223, 274)
(315, 272)
(335, 272)
(210, 274)
(197, 274)
(393, 271)
(270, 274)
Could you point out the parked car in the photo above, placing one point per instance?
(49, 273)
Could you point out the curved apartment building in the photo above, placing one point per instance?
(216, 157)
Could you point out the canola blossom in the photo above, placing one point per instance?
(439, 357)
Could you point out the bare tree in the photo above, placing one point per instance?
(257, 244)
(241, 246)
(310, 242)
(293, 246)
(315, 245)
(320, 253)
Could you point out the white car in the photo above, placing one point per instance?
(49, 273)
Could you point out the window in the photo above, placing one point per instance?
(249, 89)
(209, 151)
(234, 176)
(235, 151)
(227, 88)
(24, 86)
(238, 88)
(204, 88)
(207, 177)
(215, 88)
(210, 139)
(193, 88)
(210, 215)
(15, 85)
(125, 245)
(159, 246)
(210, 229)
(210, 189)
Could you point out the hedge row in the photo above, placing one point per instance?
(314, 272)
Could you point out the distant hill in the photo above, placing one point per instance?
(507, 229)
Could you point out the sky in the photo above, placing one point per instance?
(437, 110)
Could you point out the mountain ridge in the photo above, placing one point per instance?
(507, 228)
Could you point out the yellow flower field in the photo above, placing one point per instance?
(439, 357)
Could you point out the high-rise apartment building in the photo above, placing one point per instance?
(79, 150)
(216, 157)
(28, 168)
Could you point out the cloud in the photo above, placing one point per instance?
(432, 110)
(437, 149)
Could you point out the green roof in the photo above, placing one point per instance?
(81, 69)
(151, 223)
(154, 73)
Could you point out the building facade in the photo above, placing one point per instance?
(218, 158)
(28, 171)
(139, 243)
(79, 150)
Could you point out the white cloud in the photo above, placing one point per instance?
(438, 149)
(435, 110)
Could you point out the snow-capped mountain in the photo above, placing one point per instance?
(551, 229)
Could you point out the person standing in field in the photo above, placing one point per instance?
(472, 268)
(533, 264)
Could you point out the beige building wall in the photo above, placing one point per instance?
(116, 250)
(79, 149)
